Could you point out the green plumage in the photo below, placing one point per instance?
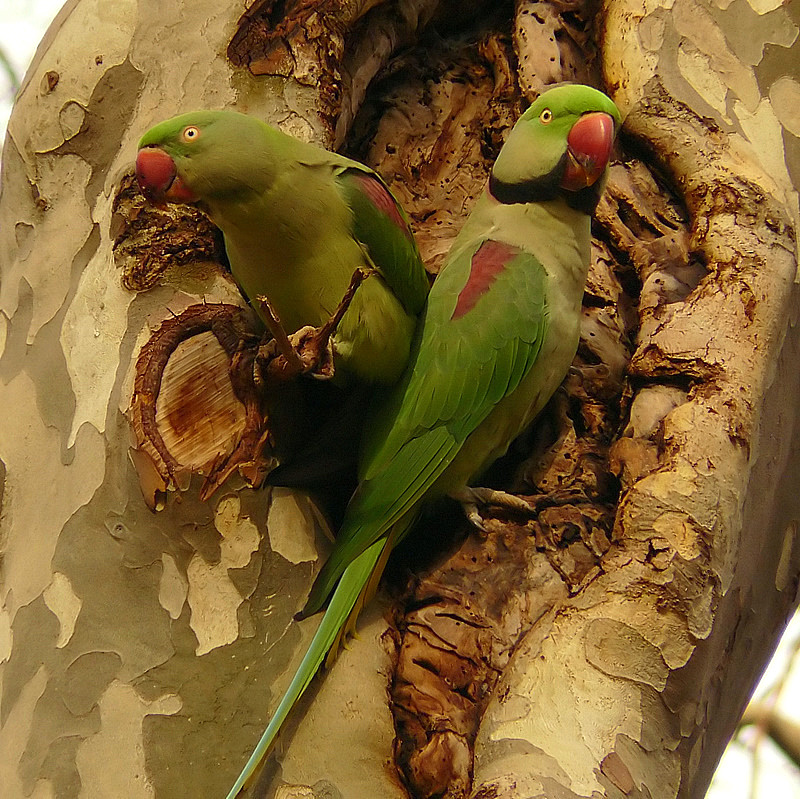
(460, 371)
(499, 331)
(297, 222)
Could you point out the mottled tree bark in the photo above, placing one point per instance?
(604, 647)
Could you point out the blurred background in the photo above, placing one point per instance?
(22, 25)
(754, 765)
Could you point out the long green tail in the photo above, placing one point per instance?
(342, 602)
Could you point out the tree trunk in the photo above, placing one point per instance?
(606, 647)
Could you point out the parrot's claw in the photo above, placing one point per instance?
(474, 517)
(315, 351)
(304, 352)
(470, 498)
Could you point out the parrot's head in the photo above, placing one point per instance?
(560, 146)
(200, 156)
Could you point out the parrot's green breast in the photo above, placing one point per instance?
(301, 253)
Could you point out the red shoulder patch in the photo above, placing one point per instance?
(487, 263)
(382, 199)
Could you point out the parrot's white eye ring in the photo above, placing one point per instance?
(546, 117)
(190, 133)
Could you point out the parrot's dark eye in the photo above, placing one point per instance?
(546, 117)
(190, 133)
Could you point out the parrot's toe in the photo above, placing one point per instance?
(315, 349)
(474, 517)
(471, 497)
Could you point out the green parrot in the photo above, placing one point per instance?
(298, 221)
(497, 336)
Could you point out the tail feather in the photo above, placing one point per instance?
(396, 531)
(344, 599)
(367, 592)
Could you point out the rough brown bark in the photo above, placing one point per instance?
(604, 648)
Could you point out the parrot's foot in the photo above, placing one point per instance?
(304, 352)
(321, 339)
(309, 350)
(315, 349)
(470, 498)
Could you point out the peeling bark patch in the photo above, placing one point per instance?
(214, 599)
(34, 630)
(291, 524)
(173, 588)
(92, 134)
(120, 741)
(213, 596)
(616, 771)
(65, 604)
(620, 651)
(17, 723)
(6, 638)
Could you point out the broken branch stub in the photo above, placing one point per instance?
(186, 411)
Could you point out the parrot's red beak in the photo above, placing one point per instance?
(590, 142)
(158, 179)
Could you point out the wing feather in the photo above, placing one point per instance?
(460, 369)
(380, 224)
(373, 517)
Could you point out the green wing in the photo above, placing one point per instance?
(463, 365)
(381, 226)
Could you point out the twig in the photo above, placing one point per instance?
(279, 334)
(327, 330)
(769, 704)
